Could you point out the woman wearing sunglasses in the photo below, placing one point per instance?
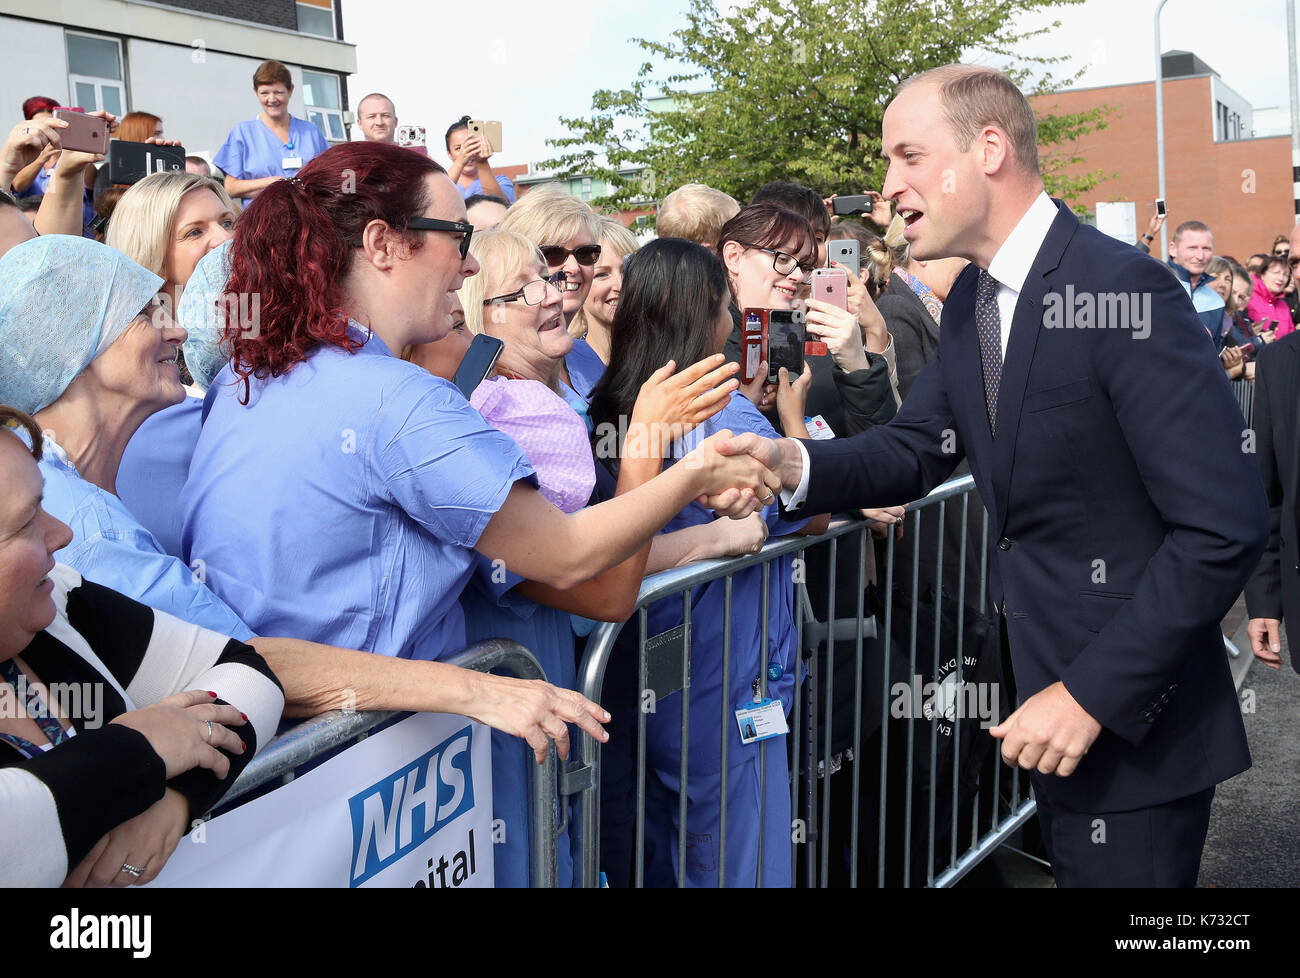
(567, 232)
(343, 490)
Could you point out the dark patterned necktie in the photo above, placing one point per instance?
(989, 325)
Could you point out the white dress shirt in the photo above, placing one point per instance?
(1010, 267)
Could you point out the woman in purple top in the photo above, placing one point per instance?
(273, 146)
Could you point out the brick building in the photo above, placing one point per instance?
(189, 61)
(1216, 170)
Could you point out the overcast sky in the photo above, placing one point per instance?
(526, 67)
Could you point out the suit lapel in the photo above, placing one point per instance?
(1025, 325)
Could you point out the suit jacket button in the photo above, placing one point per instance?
(1004, 544)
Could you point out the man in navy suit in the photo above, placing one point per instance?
(1075, 376)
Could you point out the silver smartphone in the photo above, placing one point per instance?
(846, 252)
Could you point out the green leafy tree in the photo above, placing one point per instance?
(781, 89)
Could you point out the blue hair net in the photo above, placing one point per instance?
(63, 302)
(200, 313)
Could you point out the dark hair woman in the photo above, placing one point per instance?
(674, 305)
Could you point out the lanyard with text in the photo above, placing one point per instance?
(764, 718)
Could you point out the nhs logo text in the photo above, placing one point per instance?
(398, 813)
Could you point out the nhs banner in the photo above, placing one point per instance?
(408, 806)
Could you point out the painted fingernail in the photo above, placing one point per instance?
(212, 694)
(245, 716)
(242, 746)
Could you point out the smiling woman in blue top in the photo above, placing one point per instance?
(273, 146)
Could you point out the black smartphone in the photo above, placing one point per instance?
(1160, 206)
(785, 340)
(129, 163)
(478, 361)
(853, 204)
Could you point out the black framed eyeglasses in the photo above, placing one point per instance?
(533, 293)
(782, 263)
(556, 255)
(433, 224)
(452, 227)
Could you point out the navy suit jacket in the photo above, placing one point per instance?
(1113, 553)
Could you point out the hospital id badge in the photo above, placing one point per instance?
(818, 428)
(291, 163)
(761, 721)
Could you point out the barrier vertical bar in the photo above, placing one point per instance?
(935, 711)
(961, 665)
(884, 709)
(726, 731)
(684, 753)
(762, 744)
(911, 726)
(857, 715)
(640, 754)
(824, 843)
(795, 728)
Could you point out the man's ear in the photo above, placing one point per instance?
(995, 150)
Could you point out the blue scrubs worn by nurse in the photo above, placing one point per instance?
(274, 144)
(751, 814)
(64, 302)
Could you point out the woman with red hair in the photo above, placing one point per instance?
(341, 491)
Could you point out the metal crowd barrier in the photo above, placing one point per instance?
(1245, 391)
(990, 811)
(287, 753)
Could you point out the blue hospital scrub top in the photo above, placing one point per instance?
(507, 188)
(252, 150)
(585, 368)
(155, 466)
(342, 504)
(110, 547)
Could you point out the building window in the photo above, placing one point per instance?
(320, 92)
(586, 188)
(95, 78)
(316, 17)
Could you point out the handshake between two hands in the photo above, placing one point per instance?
(747, 471)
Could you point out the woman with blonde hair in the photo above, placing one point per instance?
(567, 232)
(166, 223)
(590, 327)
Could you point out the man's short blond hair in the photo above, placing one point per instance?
(695, 212)
(974, 97)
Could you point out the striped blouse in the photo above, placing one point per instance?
(110, 655)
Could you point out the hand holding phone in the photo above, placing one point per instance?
(84, 133)
(846, 252)
(785, 342)
(831, 285)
